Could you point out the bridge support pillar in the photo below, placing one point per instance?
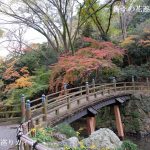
(91, 124)
(119, 124)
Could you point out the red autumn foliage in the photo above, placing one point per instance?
(10, 73)
(85, 61)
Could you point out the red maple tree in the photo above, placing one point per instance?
(85, 61)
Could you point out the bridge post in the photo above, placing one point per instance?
(28, 113)
(65, 88)
(119, 124)
(93, 83)
(133, 83)
(147, 81)
(44, 103)
(91, 124)
(87, 91)
(23, 109)
(102, 89)
(78, 101)
(28, 118)
(114, 82)
(124, 87)
(68, 101)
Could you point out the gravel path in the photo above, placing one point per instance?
(8, 137)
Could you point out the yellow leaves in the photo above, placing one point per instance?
(33, 132)
(23, 82)
(92, 147)
(128, 41)
(82, 145)
(41, 130)
(105, 148)
(77, 133)
(146, 30)
(20, 83)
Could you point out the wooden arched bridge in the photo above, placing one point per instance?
(71, 104)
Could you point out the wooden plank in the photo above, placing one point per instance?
(10, 112)
(92, 111)
(30, 142)
(8, 119)
(120, 100)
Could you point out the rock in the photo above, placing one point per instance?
(59, 136)
(138, 121)
(72, 142)
(103, 138)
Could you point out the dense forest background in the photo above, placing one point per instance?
(85, 40)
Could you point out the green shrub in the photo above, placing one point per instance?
(40, 84)
(128, 145)
(43, 136)
(66, 129)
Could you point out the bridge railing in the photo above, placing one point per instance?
(56, 106)
(56, 100)
(10, 113)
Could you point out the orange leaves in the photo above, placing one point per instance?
(85, 61)
(23, 82)
(128, 41)
(10, 72)
(144, 43)
(19, 83)
(15, 77)
(24, 71)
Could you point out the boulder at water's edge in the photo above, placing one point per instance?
(103, 138)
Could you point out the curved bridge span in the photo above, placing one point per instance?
(66, 104)
(71, 104)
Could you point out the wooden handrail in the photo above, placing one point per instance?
(71, 102)
(103, 87)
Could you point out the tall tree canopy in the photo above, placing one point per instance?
(98, 56)
(59, 21)
(102, 18)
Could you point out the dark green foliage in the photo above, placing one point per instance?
(42, 136)
(87, 30)
(105, 118)
(106, 73)
(138, 45)
(128, 145)
(37, 58)
(66, 129)
(132, 125)
(135, 114)
(137, 71)
(138, 18)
